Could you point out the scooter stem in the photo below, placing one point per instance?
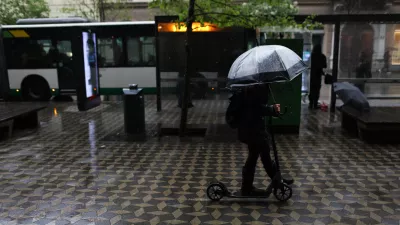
(278, 168)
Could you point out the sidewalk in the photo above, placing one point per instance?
(64, 173)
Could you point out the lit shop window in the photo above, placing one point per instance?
(396, 49)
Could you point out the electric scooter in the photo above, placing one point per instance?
(282, 191)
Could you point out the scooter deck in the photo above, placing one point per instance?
(238, 194)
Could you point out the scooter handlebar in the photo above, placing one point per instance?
(280, 114)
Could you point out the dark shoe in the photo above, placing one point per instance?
(286, 181)
(254, 192)
(310, 104)
(247, 184)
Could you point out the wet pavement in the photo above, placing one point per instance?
(67, 173)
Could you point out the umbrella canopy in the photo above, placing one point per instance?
(266, 64)
(351, 95)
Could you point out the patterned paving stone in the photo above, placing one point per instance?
(68, 172)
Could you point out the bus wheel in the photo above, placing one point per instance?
(35, 88)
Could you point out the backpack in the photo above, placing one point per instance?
(233, 112)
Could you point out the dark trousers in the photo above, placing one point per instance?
(180, 91)
(180, 100)
(260, 148)
(314, 94)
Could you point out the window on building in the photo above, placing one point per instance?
(111, 53)
(141, 51)
(396, 49)
(30, 54)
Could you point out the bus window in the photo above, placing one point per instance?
(110, 52)
(30, 54)
(149, 51)
(65, 47)
(133, 47)
(141, 51)
(64, 51)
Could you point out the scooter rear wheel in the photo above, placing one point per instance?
(216, 191)
(283, 193)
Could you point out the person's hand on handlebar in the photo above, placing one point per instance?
(271, 110)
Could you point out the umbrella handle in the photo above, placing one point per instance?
(273, 98)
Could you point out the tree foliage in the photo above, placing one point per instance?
(227, 13)
(97, 9)
(12, 10)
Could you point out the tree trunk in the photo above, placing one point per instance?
(188, 73)
(101, 10)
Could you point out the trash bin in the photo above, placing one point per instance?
(134, 112)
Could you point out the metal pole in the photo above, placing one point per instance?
(184, 110)
(335, 68)
(4, 85)
(158, 76)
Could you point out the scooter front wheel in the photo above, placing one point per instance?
(283, 193)
(216, 191)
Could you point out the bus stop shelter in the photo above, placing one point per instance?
(370, 38)
(213, 50)
(373, 37)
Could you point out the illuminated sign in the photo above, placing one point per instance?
(396, 51)
(196, 27)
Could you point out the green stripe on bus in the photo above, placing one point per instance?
(14, 92)
(7, 34)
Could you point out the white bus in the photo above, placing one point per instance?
(40, 56)
(40, 59)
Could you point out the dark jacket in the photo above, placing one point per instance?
(252, 124)
(318, 63)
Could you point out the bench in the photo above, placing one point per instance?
(379, 125)
(19, 115)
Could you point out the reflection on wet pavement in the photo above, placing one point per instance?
(64, 173)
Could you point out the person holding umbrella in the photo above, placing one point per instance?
(251, 73)
(252, 131)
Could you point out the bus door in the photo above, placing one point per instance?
(65, 67)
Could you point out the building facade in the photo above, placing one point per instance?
(56, 7)
(132, 10)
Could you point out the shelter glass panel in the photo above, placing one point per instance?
(370, 58)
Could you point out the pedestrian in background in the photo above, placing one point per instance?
(318, 64)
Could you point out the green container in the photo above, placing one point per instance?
(287, 94)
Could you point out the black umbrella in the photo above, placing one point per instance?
(266, 64)
(351, 95)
